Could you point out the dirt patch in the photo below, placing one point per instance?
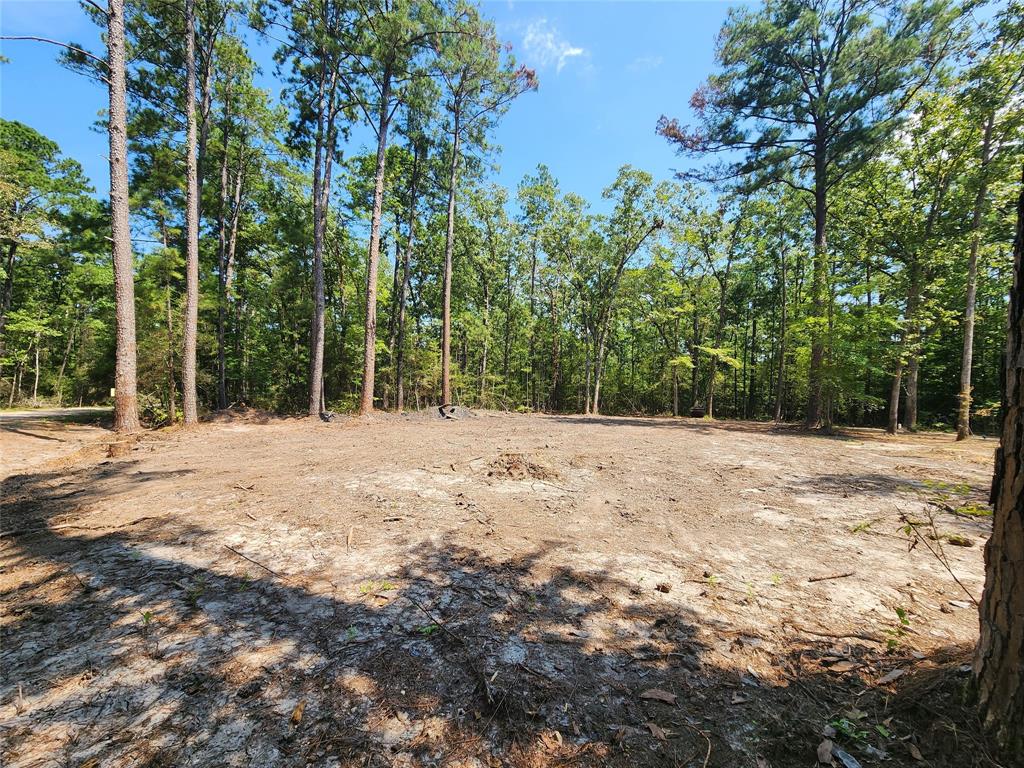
(518, 466)
(505, 590)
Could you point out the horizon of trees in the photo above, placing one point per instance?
(313, 274)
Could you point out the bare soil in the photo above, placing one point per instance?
(502, 590)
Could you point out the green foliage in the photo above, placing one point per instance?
(674, 295)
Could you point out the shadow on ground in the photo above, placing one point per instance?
(151, 646)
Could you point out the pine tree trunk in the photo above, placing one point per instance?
(675, 390)
(5, 295)
(35, 380)
(373, 259)
(172, 406)
(404, 288)
(191, 329)
(963, 418)
(449, 248)
(59, 389)
(556, 355)
(126, 409)
(812, 417)
(222, 259)
(999, 659)
(894, 400)
(321, 195)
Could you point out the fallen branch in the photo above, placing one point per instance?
(254, 562)
(836, 635)
(831, 576)
(940, 555)
(707, 738)
(438, 622)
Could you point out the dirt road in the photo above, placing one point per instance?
(33, 437)
(500, 590)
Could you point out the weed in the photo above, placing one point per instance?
(372, 587)
(974, 509)
(849, 728)
(195, 591)
(898, 631)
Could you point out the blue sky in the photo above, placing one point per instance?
(607, 71)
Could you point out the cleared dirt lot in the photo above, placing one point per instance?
(497, 590)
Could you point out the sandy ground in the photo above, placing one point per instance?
(30, 437)
(495, 590)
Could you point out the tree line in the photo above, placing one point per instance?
(837, 249)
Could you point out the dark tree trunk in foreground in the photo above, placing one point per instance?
(191, 329)
(999, 659)
(126, 409)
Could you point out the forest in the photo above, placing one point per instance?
(725, 426)
(846, 262)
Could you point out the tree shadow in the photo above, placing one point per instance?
(701, 426)
(155, 645)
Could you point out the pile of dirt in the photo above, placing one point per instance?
(518, 466)
(241, 414)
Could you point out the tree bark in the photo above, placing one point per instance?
(126, 408)
(894, 400)
(35, 380)
(963, 418)
(812, 418)
(373, 260)
(709, 402)
(323, 157)
(999, 659)
(191, 329)
(404, 288)
(59, 388)
(172, 406)
(449, 248)
(556, 354)
(913, 347)
(222, 248)
(5, 295)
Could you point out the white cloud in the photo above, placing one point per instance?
(545, 47)
(645, 63)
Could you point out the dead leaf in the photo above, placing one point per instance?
(825, 752)
(657, 732)
(763, 762)
(739, 698)
(659, 695)
(893, 675)
(552, 740)
(845, 666)
(663, 586)
(915, 752)
(297, 712)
